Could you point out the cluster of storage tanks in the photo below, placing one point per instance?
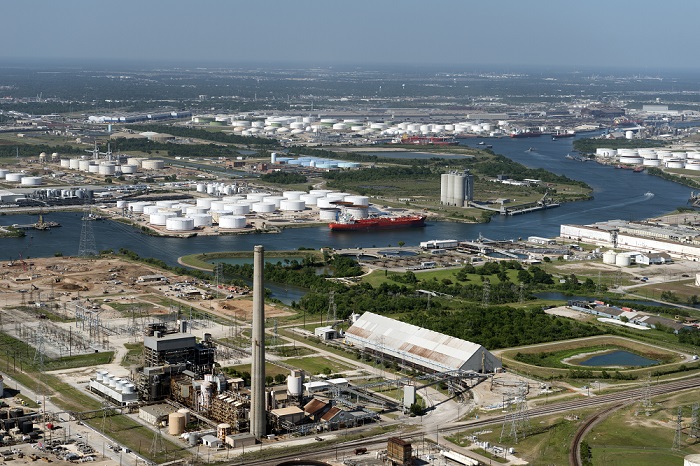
(312, 162)
(229, 211)
(21, 179)
(110, 167)
(650, 157)
(298, 125)
(620, 259)
(114, 382)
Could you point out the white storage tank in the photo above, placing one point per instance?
(201, 188)
(336, 196)
(292, 195)
(652, 163)
(217, 205)
(74, 164)
(324, 203)
(153, 164)
(150, 209)
(93, 168)
(276, 200)
(232, 199)
(257, 197)
(631, 159)
(232, 221)
(128, 169)
(83, 165)
(357, 212)
(692, 165)
(160, 218)
(185, 412)
(358, 200)
(623, 260)
(675, 163)
(609, 257)
(107, 169)
(237, 209)
(202, 220)
(191, 210)
(320, 192)
(309, 199)
(134, 161)
(263, 207)
(295, 383)
(205, 202)
(14, 177)
(31, 181)
(3, 172)
(65, 163)
(137, 207)
(328, 215)
(166, 203)
(179, 224)
(121, 204)
(292, 205)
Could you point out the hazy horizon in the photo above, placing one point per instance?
(646, 36)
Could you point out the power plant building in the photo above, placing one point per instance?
(456, 188)
(418, 347)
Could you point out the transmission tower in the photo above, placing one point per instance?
(157, 444)
(646, 394)
(218, 275)
(331, 308)
(694, 421)
(521, 293)
(518, 417)
(87, 237)
(487, 292)
(679, 430)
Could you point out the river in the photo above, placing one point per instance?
(617, 194)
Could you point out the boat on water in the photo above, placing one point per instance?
(482, 143)
(530, 149)
(563, 134)
(348, 223)
(530, 133)
(426, 140)
(638, 169)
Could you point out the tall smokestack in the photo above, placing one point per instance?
(258, 416)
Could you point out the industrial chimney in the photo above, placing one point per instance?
(258, 416)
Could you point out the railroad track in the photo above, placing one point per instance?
(618, 399)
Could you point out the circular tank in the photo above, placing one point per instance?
(150, 209)
(166, 203)
(675, 163)
(179, 224)
(692, 460)
(191, 210)
(31, 181)
(107, 170)
(121, 204)
(154, 164)
(74, 164)
(623, 260)
(263, 207)
(328, 215)
(631, 159)
(232, 199)
(94, 168)
(134, 161)
(83, 165)
(692, 165)
(222, 430)
(232, 221)
(295, 384)
(609, 257)
(161, 218)
(176, 423)
(205, 202)
(309, 199)
(652, 163)
(14, 177)
(358, 200)
(257, 197)
(357, 212)
(186, 413)
(292, 195)
(129, 169)
(201, 188)
(320, 192)
(27, 427)
(292, 205)
(237, 209)
(3, 173)
(276, 200)
(324, 203)
(202, 220)
(65, 163)
(217, 205)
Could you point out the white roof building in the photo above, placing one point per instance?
(418, 346)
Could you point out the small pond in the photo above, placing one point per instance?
(618, 358)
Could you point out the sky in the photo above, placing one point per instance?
(639, 34)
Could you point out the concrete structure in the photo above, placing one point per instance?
(678, 241)
(456, 188)
(418, 347)
(258, 416)
(155, 414)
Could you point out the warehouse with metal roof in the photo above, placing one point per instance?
(418, 347)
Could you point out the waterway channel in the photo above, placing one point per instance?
(617, 194)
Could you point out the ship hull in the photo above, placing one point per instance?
(526, 134)
(379, 223)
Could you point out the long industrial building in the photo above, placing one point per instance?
(418, 347)
(678, 241)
